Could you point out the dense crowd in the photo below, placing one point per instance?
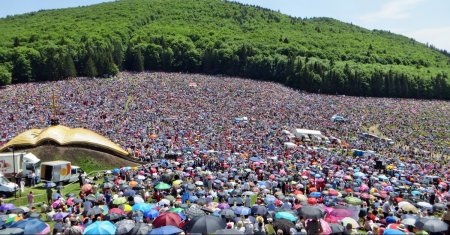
(315, 191)
(151, 113)
(235, 175)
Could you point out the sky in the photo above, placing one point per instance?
(427, 21)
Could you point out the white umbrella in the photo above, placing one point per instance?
(425, 205)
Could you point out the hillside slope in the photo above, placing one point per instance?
(219, 37)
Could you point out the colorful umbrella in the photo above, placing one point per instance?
(141, 207)
(167, 218)
(286, 215)
(120, 200)
(162, 186)
(30, 226)
(353, 200)
(165, 230)
(100, 227)
(151, 214)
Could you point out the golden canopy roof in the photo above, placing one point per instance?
(64, 136)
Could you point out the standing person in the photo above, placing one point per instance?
(33, 179)
(80, 179)
(49, 192)
(22, 185)
(30, 199)
(313, 227)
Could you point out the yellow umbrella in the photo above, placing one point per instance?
(127, 208)
(390, 167)
(177, 182)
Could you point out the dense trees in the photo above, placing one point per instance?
(217, 37)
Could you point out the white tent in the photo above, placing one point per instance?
(302, 132)
(290, 145)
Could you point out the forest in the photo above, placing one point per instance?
(219, 37)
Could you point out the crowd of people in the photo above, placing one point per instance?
(230, 170)
(150, 113)
(314, 191)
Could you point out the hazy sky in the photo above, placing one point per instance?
(424, 20)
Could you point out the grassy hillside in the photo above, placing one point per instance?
(219, 37)
(88, 160)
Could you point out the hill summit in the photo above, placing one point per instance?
(219, 37)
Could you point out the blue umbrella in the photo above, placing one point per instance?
(415, 193)
(270, 199)
(165, 230)
(129, 193)
(262, 183)
(30, 226)
(383, 177)
(116, 171)
(182, 215)
(152, 214)
(100, 227)
(255, 159)
(286, 215)
(142, 207)
(242, 210)
(392, 232)
(315, 194)
(193, 198)
(359, 174)
(391, 220)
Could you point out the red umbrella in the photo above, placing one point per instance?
(298, 192)
(312, 201)
(333, 192)
(167, 218)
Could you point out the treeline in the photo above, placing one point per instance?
(106, 57)
(217, 37)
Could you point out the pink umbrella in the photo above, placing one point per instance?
(56, 203)
(325, 227)
(341, 213)
(363, 188)
(69, 201)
